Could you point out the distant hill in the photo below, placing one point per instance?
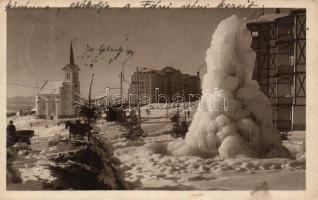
(20, 103)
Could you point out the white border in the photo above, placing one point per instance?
(311, 191)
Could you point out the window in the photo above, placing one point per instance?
(254, 34)
(75, 76)
(68, 75)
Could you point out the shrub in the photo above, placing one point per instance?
(90, 166)
(13, 174)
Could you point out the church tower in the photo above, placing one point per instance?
(71, 85)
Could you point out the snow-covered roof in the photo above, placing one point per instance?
(51, 87)
(268, 17)
(170, 69)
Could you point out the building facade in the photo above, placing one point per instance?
(167, 82)
(55, 99)
(279, 40)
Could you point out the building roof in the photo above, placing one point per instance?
(169, 69)
(271, 17)
(164, 71)
(268, 17)
(69, 66)
(51, 87)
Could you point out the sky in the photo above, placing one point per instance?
(38, 43)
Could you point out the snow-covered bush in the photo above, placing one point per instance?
(134, 131)
(90, 165)
(13, 174)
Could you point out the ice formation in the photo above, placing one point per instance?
(234, 117)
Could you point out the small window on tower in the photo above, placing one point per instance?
(68, 76)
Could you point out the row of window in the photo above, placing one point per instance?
(68, 76)
(44, 106)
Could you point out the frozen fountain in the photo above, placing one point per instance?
(234, 117)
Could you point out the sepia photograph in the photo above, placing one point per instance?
(156, 99)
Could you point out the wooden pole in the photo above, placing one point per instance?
(121, 84)
(138, 91)
(184, 110)
(89, 105)
(90, 91)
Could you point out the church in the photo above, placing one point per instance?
(55, 99)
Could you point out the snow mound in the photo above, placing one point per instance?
(234, 117)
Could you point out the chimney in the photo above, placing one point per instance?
(198, 74)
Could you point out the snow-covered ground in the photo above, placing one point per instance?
(41, 127)
(163, 172)
(150, 171)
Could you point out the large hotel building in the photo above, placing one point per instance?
(168, 81)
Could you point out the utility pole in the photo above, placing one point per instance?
(121, 84)
(90, 91)
(184, 110)
(121, 93)
(88, 122)
(138, 91)
(36, 85)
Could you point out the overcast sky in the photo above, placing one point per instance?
(39, 42)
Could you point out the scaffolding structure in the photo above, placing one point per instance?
(280, 66)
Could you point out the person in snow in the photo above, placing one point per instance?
(11, 134)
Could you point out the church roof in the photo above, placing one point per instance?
(72, 64)
(51, 87)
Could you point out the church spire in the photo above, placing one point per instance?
(71, 55)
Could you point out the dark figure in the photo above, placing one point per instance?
(148, 111)
(183, 129)
(179, 129)
(11, 134)
(175, 125)
(67, 124)
(71, 128)
(175, 118)
(78, 128)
